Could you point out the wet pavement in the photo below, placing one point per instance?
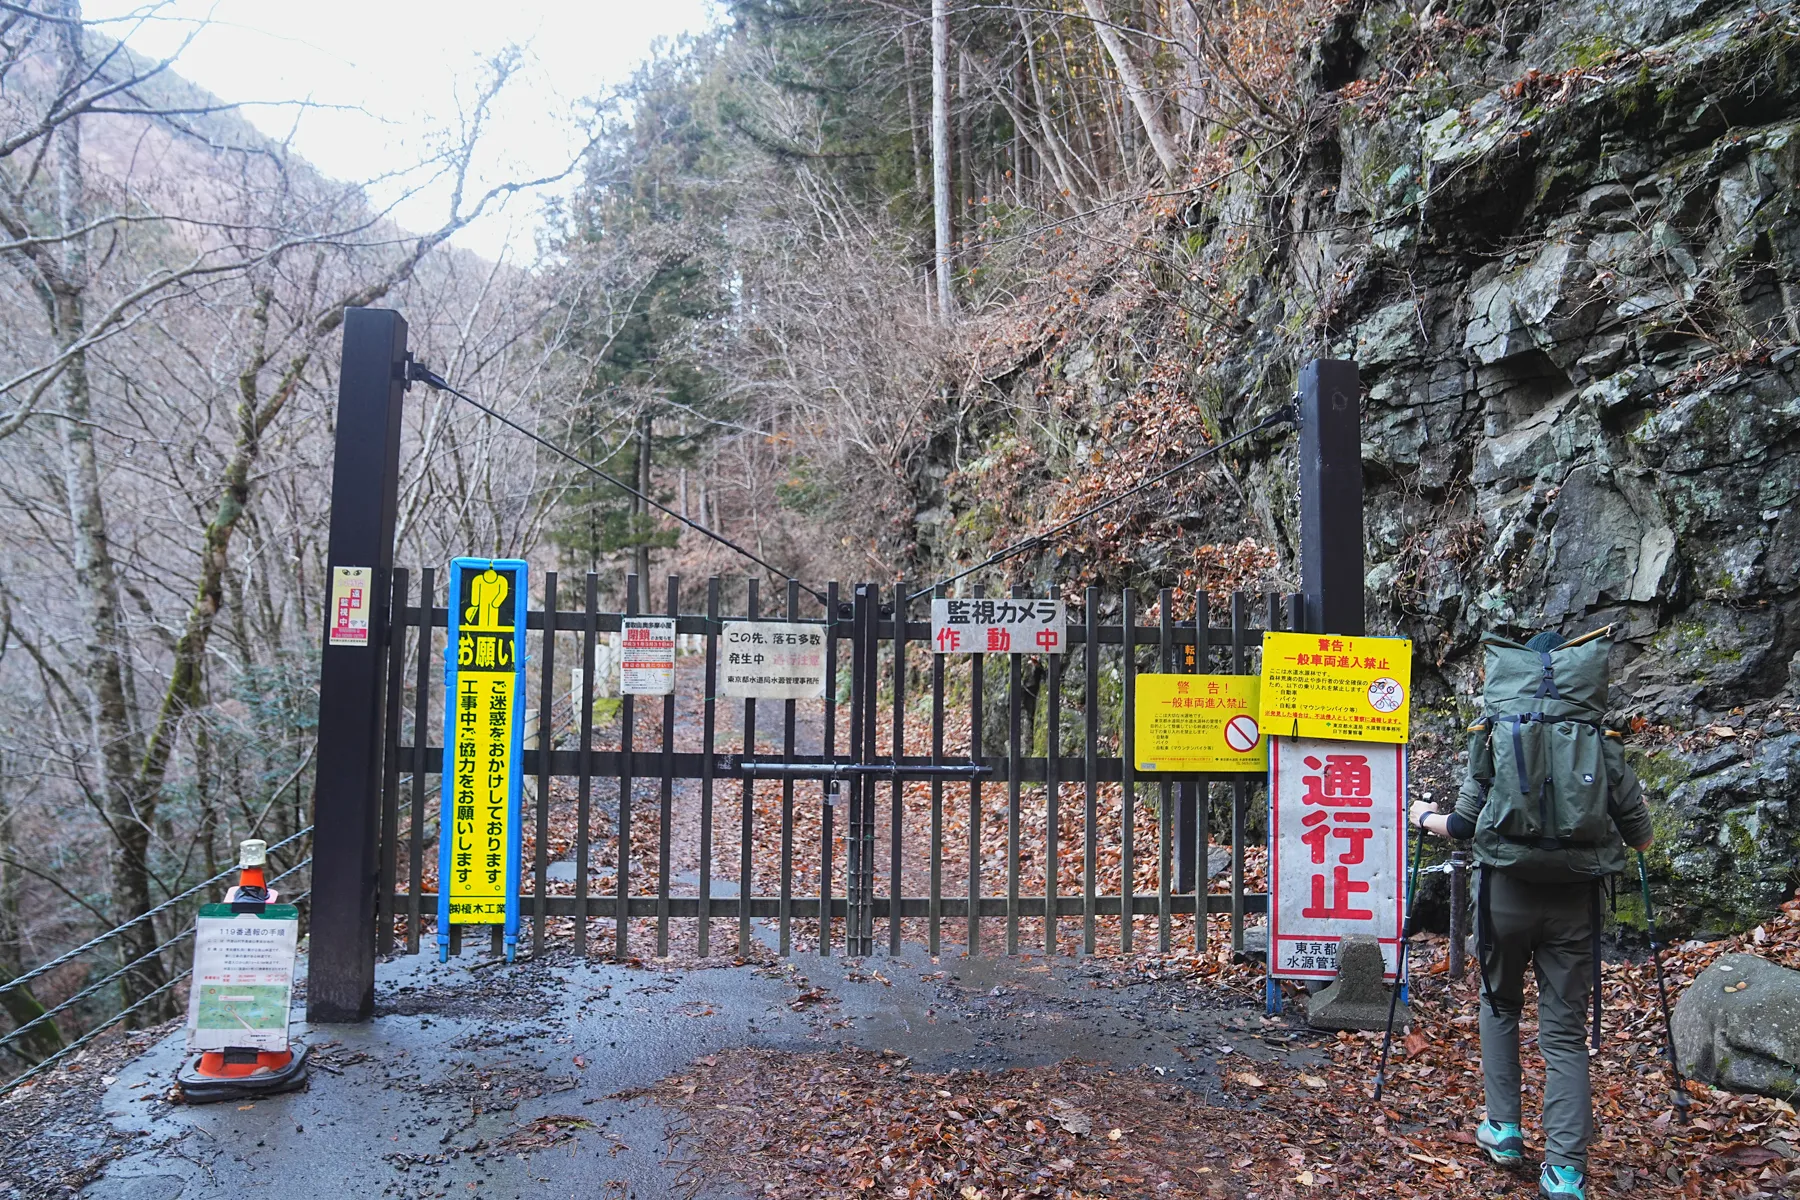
(479, 1078)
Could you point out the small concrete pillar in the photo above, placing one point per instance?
(1357, 999)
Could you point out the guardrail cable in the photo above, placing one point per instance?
(30, 1074)
(115, 931)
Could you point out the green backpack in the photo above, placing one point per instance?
(1544, 757)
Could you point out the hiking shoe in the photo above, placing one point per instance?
(1561, 1183)
(1505, 1144)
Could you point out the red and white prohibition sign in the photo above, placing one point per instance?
(1242, 734)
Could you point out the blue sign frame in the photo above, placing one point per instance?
(516, 775)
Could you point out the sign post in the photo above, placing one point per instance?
(1327, 689)
(484, 749)
(365, 480)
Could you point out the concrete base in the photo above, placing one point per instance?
(1358, 999)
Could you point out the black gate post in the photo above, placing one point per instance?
(340, 979)
(1331, 496)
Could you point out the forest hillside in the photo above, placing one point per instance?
(877, 288)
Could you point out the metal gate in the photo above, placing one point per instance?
(832, 777)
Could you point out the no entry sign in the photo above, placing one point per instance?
(1198, 723)
(1337, 852)
(1328, 686)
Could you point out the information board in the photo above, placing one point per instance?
(647, 656)
(1337, 852)
(1328, 686)
(243, 978)
(1004, 626)
(772, 660)
(1198, 723)
(484, 735)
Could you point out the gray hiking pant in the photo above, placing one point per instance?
(1549, 926)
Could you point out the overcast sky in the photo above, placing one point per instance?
(405, 63)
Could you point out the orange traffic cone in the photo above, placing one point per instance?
(237, 1072)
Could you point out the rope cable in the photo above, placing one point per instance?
(431, 379)
(77, 952)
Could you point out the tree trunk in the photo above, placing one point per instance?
(966, 191)
(1134, 88)
(96, 578)
(641, 507)
(912, 111)
(940, 152)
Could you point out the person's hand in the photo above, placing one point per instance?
(1648, 842)
(1419, 811)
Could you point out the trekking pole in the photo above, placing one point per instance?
(1678, 1093)
(1412, 893)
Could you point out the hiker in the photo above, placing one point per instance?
(1551, 805)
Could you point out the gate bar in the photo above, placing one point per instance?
(546, 740)
(828, 789)
(1090, 831)
(897, 806)
(708, 736)
(936, 900)
(787, 796)
(747, 802)
(622, 827)
(666, 801)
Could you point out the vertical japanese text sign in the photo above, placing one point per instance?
(484, 739)
(1337, 845)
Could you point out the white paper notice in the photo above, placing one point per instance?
(772, 660)
(647, 656)
(243, 978)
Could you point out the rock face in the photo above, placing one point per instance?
(1567, 261)
(1738, 1027)
(1357, 999)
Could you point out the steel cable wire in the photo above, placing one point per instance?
(26, 1076)
(431, 379)
(102, 939)
(1285, 415)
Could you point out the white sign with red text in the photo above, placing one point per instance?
(647, 656)
(1337, 852)
(1004, 626)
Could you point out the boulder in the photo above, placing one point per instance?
(1738, 1027)
(1358, 998)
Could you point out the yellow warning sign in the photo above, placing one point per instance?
(1356, 689)
(1198, 723)
(483, 761)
